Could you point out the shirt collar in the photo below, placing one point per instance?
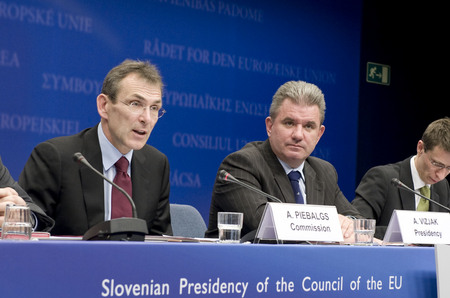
(417, 182)
(110, 154)
(288, 169)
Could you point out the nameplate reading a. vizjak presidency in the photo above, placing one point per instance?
(418, 227)
(299, 222)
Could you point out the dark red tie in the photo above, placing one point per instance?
(120, 206)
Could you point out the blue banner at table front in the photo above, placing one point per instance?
(117, 269)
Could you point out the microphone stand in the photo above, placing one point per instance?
(403, 186)
(117, 229)
(225, 176)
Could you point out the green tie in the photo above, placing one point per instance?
(424, 205)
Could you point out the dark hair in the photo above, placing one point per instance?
(145, 69)
(437, 134)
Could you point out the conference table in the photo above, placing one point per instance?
(75, 268)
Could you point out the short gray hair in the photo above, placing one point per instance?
(299, 92)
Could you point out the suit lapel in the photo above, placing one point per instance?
(435, 197)
(279, 175)
(140, 177)
(284, 186)
(313, 186)
(91, 183)
(408, 199)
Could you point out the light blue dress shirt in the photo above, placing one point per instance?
(110, 155)
(288, 169)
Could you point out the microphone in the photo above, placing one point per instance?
(401, 185)
(78, 157)
(118, 229)
(225, 176)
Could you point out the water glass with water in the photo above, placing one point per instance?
(230, 225)
(364, 230)
(17, 223)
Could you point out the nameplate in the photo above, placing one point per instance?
(418, 227)
(442, 257)
(299, 222)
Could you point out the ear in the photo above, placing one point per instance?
(269, 125)
(102, 102)
(420, 147)
(321, 131)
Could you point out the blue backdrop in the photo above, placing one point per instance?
(221, 62)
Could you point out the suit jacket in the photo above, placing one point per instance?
(377, 198)
(257, 165)
(44, 222)
(73, 195)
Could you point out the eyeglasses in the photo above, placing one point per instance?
(138, 108)
(439, 165)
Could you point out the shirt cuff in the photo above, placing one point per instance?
(34, 221)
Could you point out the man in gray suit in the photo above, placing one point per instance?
(294, 127)
(377, 198)
(12, 193)
(129, 105)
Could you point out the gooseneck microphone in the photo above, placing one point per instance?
(118, 229)
(78, 157)
(225, 176)
(401, 185)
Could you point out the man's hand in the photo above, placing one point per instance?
(347, 229)
(8, 196)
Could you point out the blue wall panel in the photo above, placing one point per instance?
(221, 62)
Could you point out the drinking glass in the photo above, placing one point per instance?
(364, 231)
(230, 225)
(17, 223)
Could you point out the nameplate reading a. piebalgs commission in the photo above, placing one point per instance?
(299, 222)
(418, 227)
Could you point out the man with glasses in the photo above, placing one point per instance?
(129, 105)
(425, 172)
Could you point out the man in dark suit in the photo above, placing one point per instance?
(129, 105)
(12, 193)
(377, 198)
(294, 127)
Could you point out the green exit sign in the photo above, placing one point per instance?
(378, 73)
